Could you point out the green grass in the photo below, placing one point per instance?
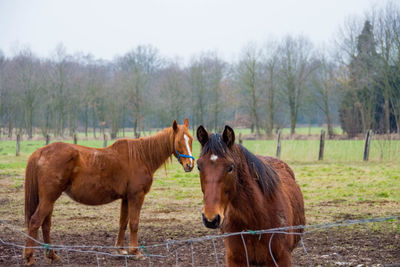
(300, 130)
(335, 150)
(340, 186)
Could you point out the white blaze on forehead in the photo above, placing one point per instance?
(188, 148)
(213, 157)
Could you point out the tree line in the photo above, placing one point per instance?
(286, 81)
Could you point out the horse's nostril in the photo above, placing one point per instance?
(214, 223)
(218, 219)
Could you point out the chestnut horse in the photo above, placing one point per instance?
(247, 192)
(95, 176)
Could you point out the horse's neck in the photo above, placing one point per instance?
(157, 148)
(249, 202)
(152, 151)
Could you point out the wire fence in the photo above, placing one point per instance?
(174, 252)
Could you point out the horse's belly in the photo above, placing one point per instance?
(91, 194)
(88, 200)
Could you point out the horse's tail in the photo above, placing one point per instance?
(31, 188)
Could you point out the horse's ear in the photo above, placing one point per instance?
(228, 136)
(186, 122)
(202, 135)
(175, 126)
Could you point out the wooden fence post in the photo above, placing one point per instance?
(321, 145)
(18, 144)
(104, 140)
(47, 139)
(240, 138)
(367, 144)
(278, 147)
(75, 139)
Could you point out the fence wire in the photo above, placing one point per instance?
(173, 247)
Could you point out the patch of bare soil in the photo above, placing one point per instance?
(346, 246)
(374, 244)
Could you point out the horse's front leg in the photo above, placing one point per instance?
(285, 260)
(123, 222)
(134, 206)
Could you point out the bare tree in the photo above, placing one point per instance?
(296, 66)
(137, 67)
(25, 68)
(249, 81)
(386, 22)
(216, 72)
(58, 89)
(8, 98)
(325, 84)
(197, 81)
(394, 26)
(174, 94)
(271, 72)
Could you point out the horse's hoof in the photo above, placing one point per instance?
(56, 259)
(53, 257)
(30, 261)
(139, 257)
(122, 251)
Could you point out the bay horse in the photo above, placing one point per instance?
(95, 176)
(246, 192)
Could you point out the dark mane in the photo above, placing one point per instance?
(264, 174)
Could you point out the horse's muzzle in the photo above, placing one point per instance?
(214, 223)
(187, 167)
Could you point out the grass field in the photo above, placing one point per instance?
(299, 130)
(342, 178)
(340, 187)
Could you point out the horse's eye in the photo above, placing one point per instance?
(230, 168)
(198, 167)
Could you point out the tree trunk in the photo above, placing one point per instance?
(135, 124)
(270, 105)
(329, 126)
(94, 123)
(86, 120)
(10, 127)
(30, 122)
(292, 122)
(328, 119)
(387, 116)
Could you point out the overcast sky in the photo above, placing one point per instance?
(177, 28)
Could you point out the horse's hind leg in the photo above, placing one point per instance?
(50, 254)
(43, 210)
(123, 222)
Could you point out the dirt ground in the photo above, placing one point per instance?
(373, 244)
(333, 247)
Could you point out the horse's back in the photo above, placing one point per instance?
(57, 155)
(280, 166)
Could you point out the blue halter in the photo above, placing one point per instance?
(179, 155)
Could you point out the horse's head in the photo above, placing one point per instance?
(217, 173)
(182, 144)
